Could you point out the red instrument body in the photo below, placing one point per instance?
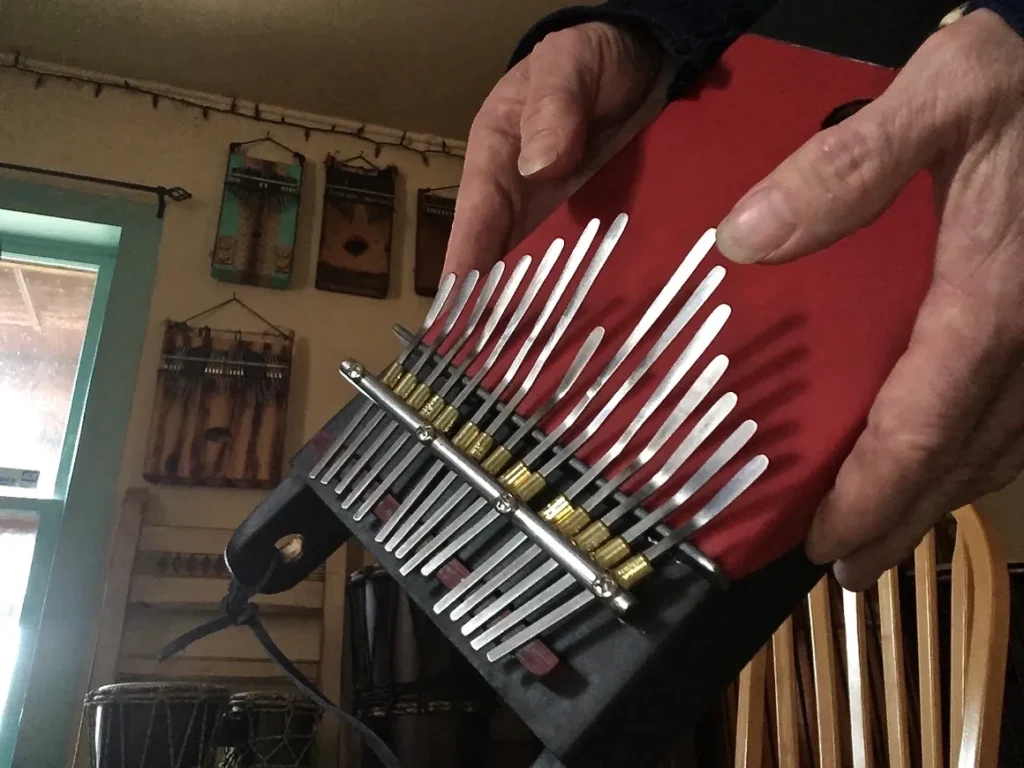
(810, 343)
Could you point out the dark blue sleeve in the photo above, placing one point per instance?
(696, 32)
(1012, 12)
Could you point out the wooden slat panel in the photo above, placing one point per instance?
(960, 611)
(187, 591)
(926, 597)
(750, 714)
(826, 695)
(200, 541)
(787, 745)
(858, 679)
(893, 670)
(990, 634)
(147, 630)
(250, 671)
(330, 743)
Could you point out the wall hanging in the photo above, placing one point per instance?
(434, 215)
(355, 241)
(258, 216)
(221, 400)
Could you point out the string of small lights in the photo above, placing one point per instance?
(252, 111)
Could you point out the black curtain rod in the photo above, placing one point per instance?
(177, 194)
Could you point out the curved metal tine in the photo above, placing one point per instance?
(461, 299)
(722, 456)
(700, 432)
(740, 482)
(684, 409)
(604, 250)
(543, 269)
(443, 291)
(668, 292)
(575, 369)
(701, 339)
(454, 376)
(498, 311)
(579, 362)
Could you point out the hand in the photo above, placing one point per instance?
(550, 120)
(948, 424)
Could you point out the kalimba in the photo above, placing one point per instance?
(594, 465)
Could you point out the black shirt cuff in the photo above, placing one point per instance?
(694, 34)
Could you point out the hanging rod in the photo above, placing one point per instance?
(177, 194)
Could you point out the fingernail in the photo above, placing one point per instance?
(759, 225)
(535, 157)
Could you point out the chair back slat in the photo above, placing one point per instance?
(826, 696)
(960, 640)
(858, 679)
(927, 611)
(893, 671)
(750, 713)
(787, 744)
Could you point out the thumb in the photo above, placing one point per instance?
(563, 81)
(839, 181)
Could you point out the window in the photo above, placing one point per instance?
(55, 277)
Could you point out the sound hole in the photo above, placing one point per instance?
(843, 111)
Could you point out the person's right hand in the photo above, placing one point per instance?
(576, 98)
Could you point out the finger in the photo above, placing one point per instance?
(488, 199)
(862, 567)
(564, 79)
(928, 408)
(836, 183)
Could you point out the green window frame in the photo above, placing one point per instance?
(65, 579)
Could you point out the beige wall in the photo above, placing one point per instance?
(120, 135)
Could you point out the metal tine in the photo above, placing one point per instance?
(700, 432)
(446, 411)
(543, 269)
(461, 299)
(684, 409)
(707, 332)
(563, 388)
(575, 368)
(483, 299)
(444, 289)
(739, 483)
(725, 452)
(454, 376)
(597, 263)
(683, 272)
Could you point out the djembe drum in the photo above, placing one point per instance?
(410, 685)
(155, 725)
(269, 729)
(593, 470)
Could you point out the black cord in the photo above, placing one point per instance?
(237, 610)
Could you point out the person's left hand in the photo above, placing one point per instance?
(948, 424)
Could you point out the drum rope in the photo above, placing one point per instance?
(238, 610)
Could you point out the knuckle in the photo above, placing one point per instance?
(843, 159)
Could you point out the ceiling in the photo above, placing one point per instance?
(417, 65)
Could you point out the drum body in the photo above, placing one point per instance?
(410, 684)
(155, 725)
(267, 729)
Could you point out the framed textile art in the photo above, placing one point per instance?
(258, 218)
(434, 216)
(355, 240)
(219, 412)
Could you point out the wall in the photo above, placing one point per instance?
(120, 135)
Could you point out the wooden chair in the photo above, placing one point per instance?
(838, 686)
